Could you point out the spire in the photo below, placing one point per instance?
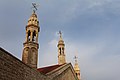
(33, 20)
(60, 35)
(61, 50)
(31, 45)
(60, 42)
(34, 7)
(76, 68)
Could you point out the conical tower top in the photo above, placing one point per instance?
(61, 50)
(33, 20)
(60, 39)
(76, 66)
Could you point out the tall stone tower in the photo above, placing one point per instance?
(61, 50)
(30, 51)
(76, 68)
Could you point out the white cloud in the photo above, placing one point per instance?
(53, 43)
(91, 57)
(95, 59)
(78, 8)
(92, 66)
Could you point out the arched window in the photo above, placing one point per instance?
(29, 33)
(38, 22)
(60, 50)
(63, 50)
(76, 74)
(34, 36)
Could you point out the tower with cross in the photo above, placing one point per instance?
(31, 45)
(76, 67)
(34, 7)
(61, 50)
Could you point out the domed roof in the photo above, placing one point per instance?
(33, 20)
(76, 67)
(60, 42)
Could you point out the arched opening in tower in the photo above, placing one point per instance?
(29, 33)
(34, 36)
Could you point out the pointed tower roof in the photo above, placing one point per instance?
(33, 20)
(60, 42)
(76, 66)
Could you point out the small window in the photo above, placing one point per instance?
(76, 74)
(60, 50)
(63, 50)
(38, 22)
(29, 33)
(34, 36)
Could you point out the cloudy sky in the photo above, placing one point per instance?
(91, 30)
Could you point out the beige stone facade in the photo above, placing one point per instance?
(30, 51)
(76, 68)
(12, 68)
(64, 72)
(61, 50)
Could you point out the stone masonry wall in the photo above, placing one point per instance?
(12, 68)
(67, 74)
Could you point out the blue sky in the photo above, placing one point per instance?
(91, 30)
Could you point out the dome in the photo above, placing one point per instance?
(33, 20)
(61, 42)
(76, 67)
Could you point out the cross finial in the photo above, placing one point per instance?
(60, 34)
(34, 7)
(75, 58)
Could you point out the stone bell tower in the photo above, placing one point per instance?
(61, 50)
(76, 68)
(30, 50)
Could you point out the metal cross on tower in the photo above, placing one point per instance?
(75, 58)
(60, 34)
(34, 7)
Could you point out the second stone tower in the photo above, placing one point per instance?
(61, 50)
